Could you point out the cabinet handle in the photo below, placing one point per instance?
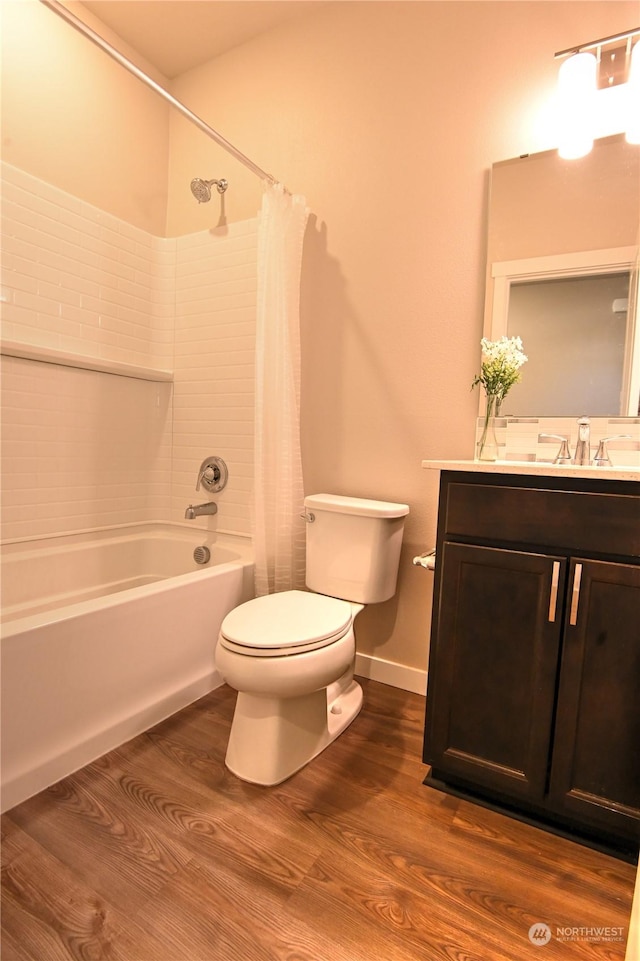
(575, 594)
(553, 597)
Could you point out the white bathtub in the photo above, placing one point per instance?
(103, 635)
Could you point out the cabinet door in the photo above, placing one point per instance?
(492, 674)
(595, 772)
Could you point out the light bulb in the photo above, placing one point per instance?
(576, 93)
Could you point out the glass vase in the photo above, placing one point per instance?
(487, 446)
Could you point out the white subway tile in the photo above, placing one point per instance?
(88, 253)
(12, 280)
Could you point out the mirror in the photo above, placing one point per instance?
(562, 274)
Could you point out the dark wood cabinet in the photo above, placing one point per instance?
(491, 711)
(595, 769)
(533, 699)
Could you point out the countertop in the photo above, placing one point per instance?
(536, 469)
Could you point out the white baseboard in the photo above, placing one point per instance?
(388, 672)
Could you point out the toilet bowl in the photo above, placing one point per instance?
(290, 656)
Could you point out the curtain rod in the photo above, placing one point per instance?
(82, 27)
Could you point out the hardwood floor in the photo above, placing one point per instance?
(156, 852)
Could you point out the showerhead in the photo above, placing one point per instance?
(201, 189)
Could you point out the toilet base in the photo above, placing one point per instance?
(271, 738)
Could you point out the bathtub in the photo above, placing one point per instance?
(103, 635)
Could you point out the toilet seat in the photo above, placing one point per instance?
(285, 624)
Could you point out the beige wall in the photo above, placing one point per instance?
(76, 119)
(387, 116)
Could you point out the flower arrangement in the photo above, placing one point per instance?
(502, 360)
(500, 367)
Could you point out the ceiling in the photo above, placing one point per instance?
(176, 35)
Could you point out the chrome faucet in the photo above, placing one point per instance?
(197, 510)
(564, 454)
(602, 458)
(583, 444)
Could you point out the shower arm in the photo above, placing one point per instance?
(82, 27)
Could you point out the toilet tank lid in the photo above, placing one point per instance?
(355, 505)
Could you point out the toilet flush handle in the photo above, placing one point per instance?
(308, 516)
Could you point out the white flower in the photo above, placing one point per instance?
(503, 360)
(508, 350)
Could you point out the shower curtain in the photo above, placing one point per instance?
(278, 529)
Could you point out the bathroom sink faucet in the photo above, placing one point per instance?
(583, 444)
(564, 454)
(602, 458)
(197, 510)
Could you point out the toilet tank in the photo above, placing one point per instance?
(353, 547)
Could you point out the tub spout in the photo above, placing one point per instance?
(197, 510)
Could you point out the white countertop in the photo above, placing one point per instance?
(535, 469)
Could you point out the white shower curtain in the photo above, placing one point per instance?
(279, 534)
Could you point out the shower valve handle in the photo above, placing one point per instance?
(208, 476)
(213, 474)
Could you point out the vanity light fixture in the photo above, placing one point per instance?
(633, 84)
(587, 68)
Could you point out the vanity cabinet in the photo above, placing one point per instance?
(533, 699)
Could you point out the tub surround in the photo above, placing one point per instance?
(67, 358)
(101, 319)
(78, 279)
(86, 296)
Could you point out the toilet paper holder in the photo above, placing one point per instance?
(426, 560)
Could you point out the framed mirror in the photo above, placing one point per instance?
(562, 274)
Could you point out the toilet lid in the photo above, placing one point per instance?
(291, 622)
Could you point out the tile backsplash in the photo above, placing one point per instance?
(519, 438)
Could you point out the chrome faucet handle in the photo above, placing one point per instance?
(208, 475)
(602, 458)
(564, 455)
(213, 474)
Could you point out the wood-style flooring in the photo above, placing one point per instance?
(156, 852)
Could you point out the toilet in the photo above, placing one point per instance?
(290, 656)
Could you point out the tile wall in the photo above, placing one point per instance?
(77, 279)
(214, 367)
(73, 456)
(83, 448)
